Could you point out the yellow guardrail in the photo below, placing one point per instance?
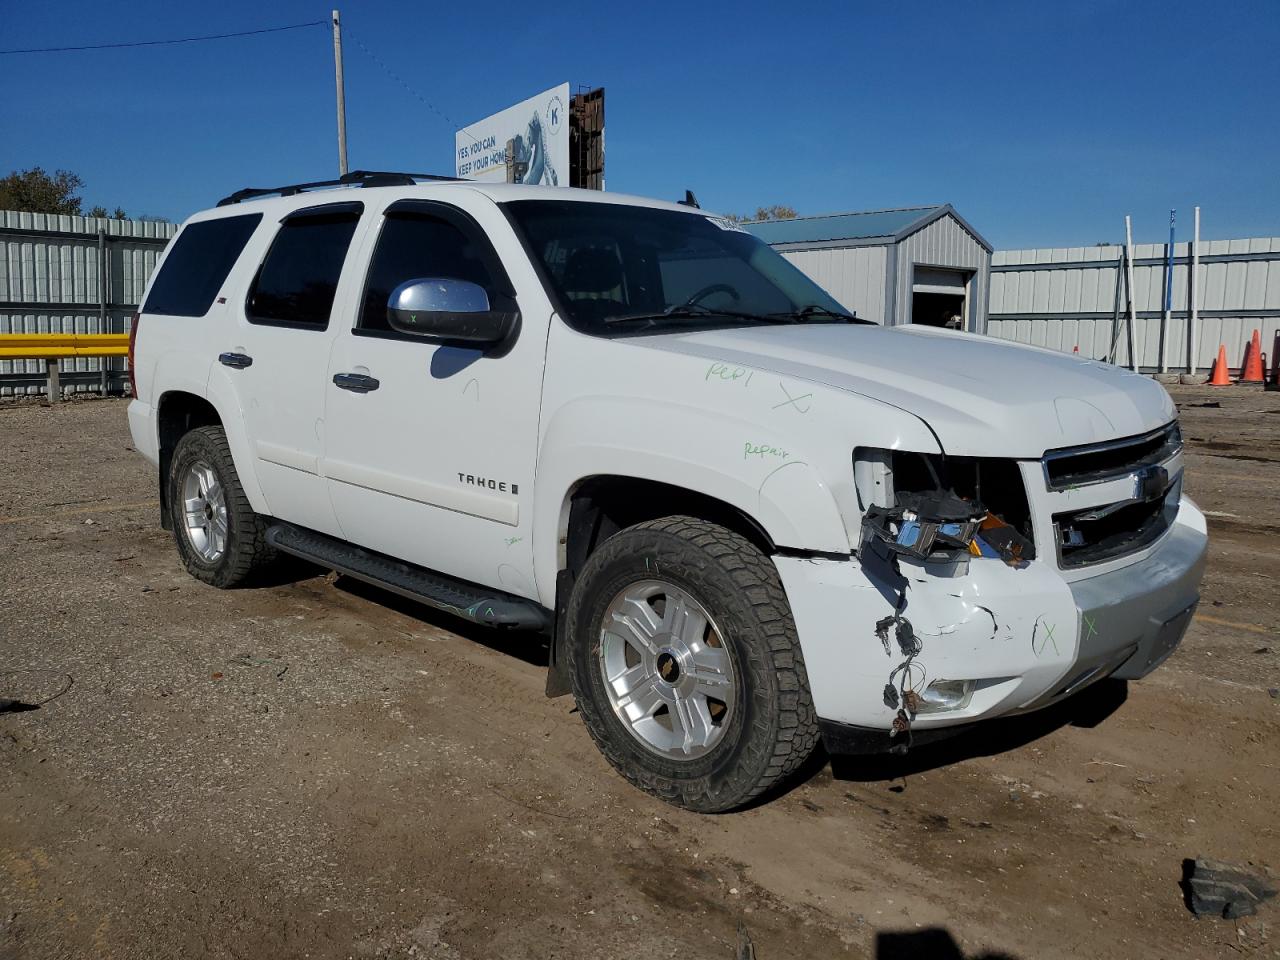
(53, 347)
(59, 346)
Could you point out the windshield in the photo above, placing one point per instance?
(619, 269)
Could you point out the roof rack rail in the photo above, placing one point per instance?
(356, 178)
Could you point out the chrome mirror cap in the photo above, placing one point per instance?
(438, 295)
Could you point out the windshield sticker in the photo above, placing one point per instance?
(724, 224)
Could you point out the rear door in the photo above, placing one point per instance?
(433, 463)
(279, 355)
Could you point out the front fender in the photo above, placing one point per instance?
(711, 453)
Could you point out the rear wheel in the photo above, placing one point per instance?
(220, 539)
(686, 666)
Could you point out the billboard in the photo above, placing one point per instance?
(537, 130)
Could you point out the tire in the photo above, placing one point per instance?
(725, 744)
(203, 458)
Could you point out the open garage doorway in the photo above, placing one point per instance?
(940, 298)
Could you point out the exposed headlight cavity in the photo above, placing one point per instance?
(873, 475)
(935, 507)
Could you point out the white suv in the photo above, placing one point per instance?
(748, 520)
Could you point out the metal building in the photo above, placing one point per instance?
(913, 265)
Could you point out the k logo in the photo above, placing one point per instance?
(555, 114)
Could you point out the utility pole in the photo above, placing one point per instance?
(1168, 297)
(1193, 293)
(1128, 287)
(342, 96)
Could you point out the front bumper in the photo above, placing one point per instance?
(1026, 637)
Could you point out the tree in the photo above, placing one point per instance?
(37, 192)
(101, 211)
(776, 212)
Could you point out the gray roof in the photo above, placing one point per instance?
(887, 225)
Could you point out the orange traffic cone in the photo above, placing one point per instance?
(1251, 369)
(1218, 376)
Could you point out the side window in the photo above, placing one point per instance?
(296, 283)
(413, 247)
(195, 269)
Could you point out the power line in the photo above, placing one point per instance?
(410, 90)
(158, 43)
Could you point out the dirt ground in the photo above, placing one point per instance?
(318, 769)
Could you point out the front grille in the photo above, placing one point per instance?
(1104, 532)
(1096, 534)
(1077, 466)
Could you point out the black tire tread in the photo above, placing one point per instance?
(248, 553)
(796, 735)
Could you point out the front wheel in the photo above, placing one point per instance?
(686, 666)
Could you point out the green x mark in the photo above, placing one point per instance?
(1092, 627)
(1048, 638)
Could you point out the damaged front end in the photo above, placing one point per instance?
(935, 508)
(967, 597)
(932, 509)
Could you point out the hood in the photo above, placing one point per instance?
(981, 396)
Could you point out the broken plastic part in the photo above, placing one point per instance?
(938, 525)
(1006, 542)
(920, 505)
(1228, 890)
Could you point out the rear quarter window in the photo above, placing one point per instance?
(195, 269)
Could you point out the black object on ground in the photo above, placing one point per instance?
(1215, 888)
(17, 706)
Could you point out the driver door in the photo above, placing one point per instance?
(431, 457)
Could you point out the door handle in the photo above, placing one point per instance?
(237, 360)
(355, 382)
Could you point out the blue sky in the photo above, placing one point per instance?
(1044, 124)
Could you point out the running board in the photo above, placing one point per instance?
(468, 600)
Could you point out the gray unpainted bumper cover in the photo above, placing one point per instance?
(1148, 604)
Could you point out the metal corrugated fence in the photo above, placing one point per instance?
(1067, 297)
(64, 274)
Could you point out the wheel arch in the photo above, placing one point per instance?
(597, 507)
(178, 412)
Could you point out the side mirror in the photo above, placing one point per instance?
(447, 309)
